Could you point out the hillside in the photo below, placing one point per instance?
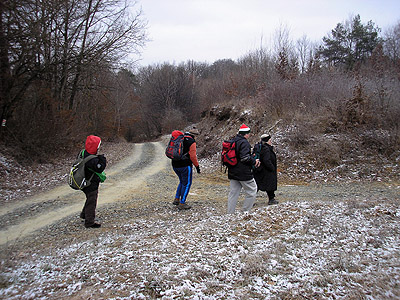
(305, 153)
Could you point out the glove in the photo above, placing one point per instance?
(198, 169)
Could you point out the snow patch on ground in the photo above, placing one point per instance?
(293, 250)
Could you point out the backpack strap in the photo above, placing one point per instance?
(86, 159)
(258, 151)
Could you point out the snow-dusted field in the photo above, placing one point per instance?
(294, 250)
(336, 239)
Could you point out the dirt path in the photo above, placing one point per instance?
(22, 218)
(142, 186)
(323, 239)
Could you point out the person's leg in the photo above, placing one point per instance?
(82, 214)
(179, 188)
(187, 176)
(271, 198)
(185, 182)
(90, 207)
(271, 195)
(233, 196)
(250, 189)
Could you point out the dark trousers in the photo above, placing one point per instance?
(271, 195)
(89, 209)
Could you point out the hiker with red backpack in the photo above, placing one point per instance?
(183, 153)
(240, 174)
(93, 168)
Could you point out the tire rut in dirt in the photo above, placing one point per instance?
(148, 165)
(145, 154)
(71, 197)
(27, 219)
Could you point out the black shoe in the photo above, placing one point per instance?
(82, 216)
(176, 201)
(272, 202)
(94, 225)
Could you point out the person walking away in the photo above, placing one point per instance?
(240, 175)
(97, 164)
(266, 174)
(184, 168)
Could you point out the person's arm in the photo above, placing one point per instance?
(193, 154)
(97, 164)
(245, 155)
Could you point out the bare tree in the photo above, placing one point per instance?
(109, 32)
(54, 42)
(304, 48)
(392, 42)
(286, 59)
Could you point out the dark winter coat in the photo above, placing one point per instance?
(266, 175)
(97, 164)
(242, 171)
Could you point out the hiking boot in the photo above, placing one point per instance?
(183, 206)
(273, 201)
(94, 225)
(82, 215)
(176, 201)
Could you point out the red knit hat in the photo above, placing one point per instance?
(244, 129)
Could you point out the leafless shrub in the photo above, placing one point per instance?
(328, 152)
(30, 135)
(174, 120)
(380, 141)
(300, 137)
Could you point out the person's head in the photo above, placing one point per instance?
(244, 130)
(193, 131)
(92, 144)
(266, 138)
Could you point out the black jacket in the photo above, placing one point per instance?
(97, 164)
(242, 170)
(266, 175)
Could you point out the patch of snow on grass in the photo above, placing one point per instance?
(321, 250)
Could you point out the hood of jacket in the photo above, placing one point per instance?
(92, 144)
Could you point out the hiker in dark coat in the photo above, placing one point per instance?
(96, 164)
(266, 174)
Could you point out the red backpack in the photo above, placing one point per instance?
(228, 154)
(174, 148)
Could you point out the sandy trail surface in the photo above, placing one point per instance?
(24, 217)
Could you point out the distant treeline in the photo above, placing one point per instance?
(63, 76)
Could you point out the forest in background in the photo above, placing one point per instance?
(65, 73)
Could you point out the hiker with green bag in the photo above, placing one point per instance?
(94, 174)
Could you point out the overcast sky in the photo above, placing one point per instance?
(208, 30)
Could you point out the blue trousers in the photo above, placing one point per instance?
(185, 176)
